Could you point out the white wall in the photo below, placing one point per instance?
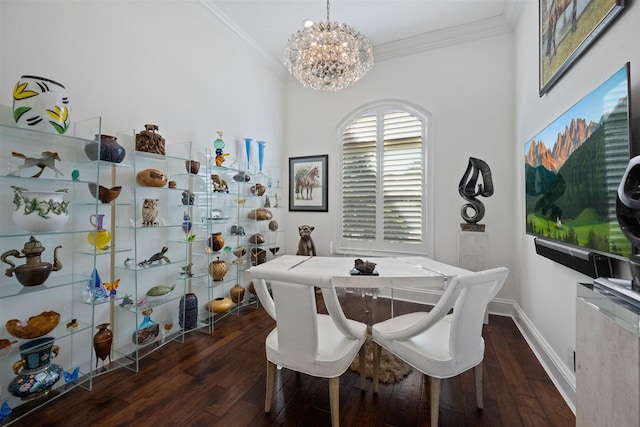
(546, 291)
(171, 63)
(468, 91)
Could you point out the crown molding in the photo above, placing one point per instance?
(214, 12)
(446, 37)
(504, 23)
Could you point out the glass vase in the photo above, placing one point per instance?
(247, 148)
(261, 145)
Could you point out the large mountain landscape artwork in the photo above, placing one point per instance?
(573, 169)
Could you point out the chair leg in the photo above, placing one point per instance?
(435, 400)
(334, 400)
(271, 379)
(376, 366)
(363, 377)
(478, 375)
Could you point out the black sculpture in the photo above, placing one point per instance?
(628, 214)
(469, 188)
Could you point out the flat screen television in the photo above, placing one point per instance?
(573, 168)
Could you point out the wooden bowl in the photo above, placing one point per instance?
(105, 195)
(35, 327)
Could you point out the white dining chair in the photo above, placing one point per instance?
(441, 344)
(306, 341)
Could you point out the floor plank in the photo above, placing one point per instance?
(219, 380)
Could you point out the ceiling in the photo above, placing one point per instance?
(394, 27)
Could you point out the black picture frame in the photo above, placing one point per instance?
(577, 26)
(309, 183)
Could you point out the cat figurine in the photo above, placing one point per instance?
(305, 245)
(149, 212)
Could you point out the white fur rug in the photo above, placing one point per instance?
(392, 369)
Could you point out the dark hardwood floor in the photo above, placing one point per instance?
(219, 380)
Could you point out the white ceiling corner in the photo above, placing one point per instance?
(394, 27)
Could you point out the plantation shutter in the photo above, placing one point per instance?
(359, 179)
(402, 181)
(382, 179)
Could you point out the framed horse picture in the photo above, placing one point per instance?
(567, 29)
(308, 183)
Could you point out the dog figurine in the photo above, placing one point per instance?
(47, 160)
(305, 245)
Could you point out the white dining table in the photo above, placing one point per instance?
(320, 271)
(392, 272)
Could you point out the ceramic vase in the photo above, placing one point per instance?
(40, 211)
(216, 241)
(218, 269)
(102, 341)
(105, 147)
(41, 104)
(219, 305)
(192, 166)
(188, 311)
(258, 256)
(237, 293)
(147, 331)
(36, 375)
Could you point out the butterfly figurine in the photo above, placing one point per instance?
(111, 287)
(71, 376)
(5, 410)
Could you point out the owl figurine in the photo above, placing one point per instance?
(149, 212)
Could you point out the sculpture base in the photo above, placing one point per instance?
(472, 227)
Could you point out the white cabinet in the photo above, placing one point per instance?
(607, 359)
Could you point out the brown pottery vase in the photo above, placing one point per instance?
(237, 293)
(102, 343)
(216, 241)
(217, 269)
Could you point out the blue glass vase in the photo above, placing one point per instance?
(247, 148)
(261, 145)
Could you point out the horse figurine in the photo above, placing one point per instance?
(306, 181)
(46, 161)
(556, 9)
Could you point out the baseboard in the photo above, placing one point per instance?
(552, 363)
(561, 376)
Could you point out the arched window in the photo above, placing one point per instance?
(384, 202)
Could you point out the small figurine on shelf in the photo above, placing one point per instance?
(186, 224)
(157, 257)
(95, 292)
(188, 197)
(47, 160)
(219, 145)
(186, 270)
(126, 301)
(149, 212)
(149, 141)
(111, 287)
(219, 184)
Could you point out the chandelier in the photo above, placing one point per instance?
(328, 55)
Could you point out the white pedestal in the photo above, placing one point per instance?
(473, 252)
